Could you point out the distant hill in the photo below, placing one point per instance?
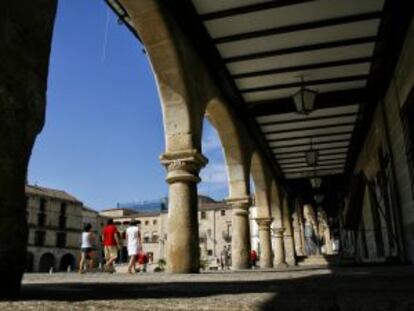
(156, 205)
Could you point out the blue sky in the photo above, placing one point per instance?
(103, 133)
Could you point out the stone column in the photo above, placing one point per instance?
(280, 261)
(182, 230)
(265, 245)
(25, 36)
(301, 227)
(240, 245)
(288, 236)
(328, 241)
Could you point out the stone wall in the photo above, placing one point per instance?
(401, 215)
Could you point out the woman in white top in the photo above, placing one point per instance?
(88, 240)
(133, 238)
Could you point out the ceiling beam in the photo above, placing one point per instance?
(313, 174)
(321, 65)
(322, 101)
(317, 127)
(301, 49)
(293, 144)
(250, 9)
(299, 27)
(305, 164)
(315, 168)
(326, 150)
(326, 137)
(308, 118)
(307, 123)
(304, 83)
(391, 36)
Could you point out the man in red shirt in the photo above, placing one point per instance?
(253, 258)
(110, 239)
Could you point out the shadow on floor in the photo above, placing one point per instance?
(390, 288)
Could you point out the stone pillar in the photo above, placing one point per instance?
(328, 241)
(288, 235)
(182, 230)
(301, 227)
(280, 259)
(240, 245)
(265, 244)
(25, 34)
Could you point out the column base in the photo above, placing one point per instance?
(281, 265)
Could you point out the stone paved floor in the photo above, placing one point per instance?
(379, 288)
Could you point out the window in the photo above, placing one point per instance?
(62, 222)
(63, 208)
(147, 222)
(41, 219)
(42, 205)
(39, 238)
(155, 237)
(203, 215)
(41, 216)
(146, 237)
(223, 212)
(154, 222)
(210, 252)
(202, 239)
(61, 239)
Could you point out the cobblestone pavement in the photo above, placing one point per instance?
(379, 288)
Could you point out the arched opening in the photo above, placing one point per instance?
(101, 102)
(223, 178)
(47, 262)
(214, 180)
(29, 262)
(67, 263)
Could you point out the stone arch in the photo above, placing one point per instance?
(235, 153)
(183, 92)
(47, 261)
(29, 262)
(67, 260)
(260, 180)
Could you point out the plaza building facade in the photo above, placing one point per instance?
(55, 224)
(215, 229)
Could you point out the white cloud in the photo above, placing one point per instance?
(211, 141)
(214, 173)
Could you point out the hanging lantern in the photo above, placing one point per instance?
(316, 182)
(304, 100)
(318, 198)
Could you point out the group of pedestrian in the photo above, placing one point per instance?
(111, 242)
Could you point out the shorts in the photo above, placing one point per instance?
(133, 251)
(87, 251)
(110, 251)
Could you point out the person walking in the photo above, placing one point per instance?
(110, 239)
(133, 238)
(253, 258)
(87, 243)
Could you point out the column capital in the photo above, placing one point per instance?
(240, 205)
(183, 165)
(264, 223)
(278, 232)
